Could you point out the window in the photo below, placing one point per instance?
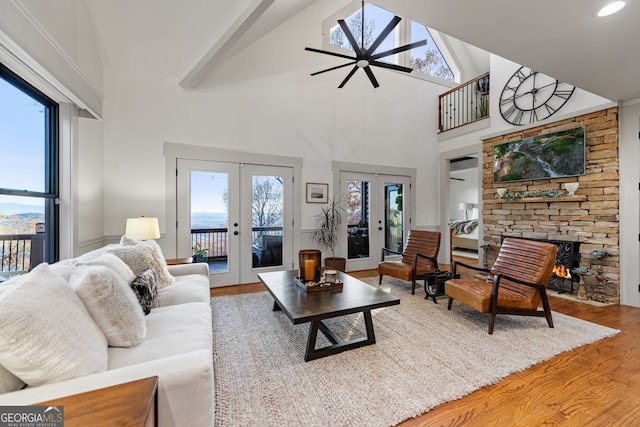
(376, 19)
(28, 176)
(427, 60)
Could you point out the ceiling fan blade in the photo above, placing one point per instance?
(333, 68)
(326, 52)
(383, 35)
(391, 66)
(374, 82)
(352, 40)
(346, 79)
(398, 49)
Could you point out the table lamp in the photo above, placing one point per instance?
(142, 228)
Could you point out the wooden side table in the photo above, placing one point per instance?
(177, 261)
(130, 404)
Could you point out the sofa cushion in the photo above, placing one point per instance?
(145, 287)
(140, 255)
(170, 331)
(188, 288)
(47, 335)
(111, 302)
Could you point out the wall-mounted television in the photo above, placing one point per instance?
(552, 155)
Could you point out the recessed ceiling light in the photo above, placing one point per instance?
(610, 9)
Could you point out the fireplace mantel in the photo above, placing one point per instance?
(546, 199)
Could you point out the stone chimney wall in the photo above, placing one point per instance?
(590, 217)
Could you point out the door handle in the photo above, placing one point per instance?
(235, 233)
(380, 228)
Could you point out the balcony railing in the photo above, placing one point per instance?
(19, 253)
(464, 104)
(216, 238)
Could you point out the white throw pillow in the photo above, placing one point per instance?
(8, 381)
(111, 261)
(140, 255)
(112, 304)
(47, 335)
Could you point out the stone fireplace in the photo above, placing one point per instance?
(590, 218)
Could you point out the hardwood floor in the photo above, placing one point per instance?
(594, 385)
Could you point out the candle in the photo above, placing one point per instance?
(330, 276)
(309, 269)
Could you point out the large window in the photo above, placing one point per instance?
(28, 176)
(427, 60)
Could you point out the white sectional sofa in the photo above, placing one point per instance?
(177, 347)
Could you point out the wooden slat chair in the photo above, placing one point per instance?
(419, 257)
(516, 284)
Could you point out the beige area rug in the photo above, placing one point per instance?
(424, 356)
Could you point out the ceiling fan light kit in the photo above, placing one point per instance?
(365, 58)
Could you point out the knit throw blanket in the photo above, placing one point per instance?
(462, 226)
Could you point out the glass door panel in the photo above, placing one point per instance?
(394, 218)
(358, 215)
(210, 218)
(267, 214)
(267, 208)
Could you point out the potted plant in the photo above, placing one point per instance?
(200, 253)
(327, 233)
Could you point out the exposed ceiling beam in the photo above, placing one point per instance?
(215, 55)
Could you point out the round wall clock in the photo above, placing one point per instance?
(530, 96)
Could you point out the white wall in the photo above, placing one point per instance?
(629, 154)
(264, 101)
(89, 185)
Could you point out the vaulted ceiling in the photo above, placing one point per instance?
(559, 38)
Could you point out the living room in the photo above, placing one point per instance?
(119, 67)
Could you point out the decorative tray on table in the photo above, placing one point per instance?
(312, 286)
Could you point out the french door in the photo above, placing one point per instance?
(377, 216)
(237, 216)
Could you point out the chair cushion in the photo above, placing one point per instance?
(477, 295)
(402, 270)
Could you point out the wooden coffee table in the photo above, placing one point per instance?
(302, 307)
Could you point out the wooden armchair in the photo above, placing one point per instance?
(515, 284)
(419, 257)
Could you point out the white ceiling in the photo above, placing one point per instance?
(560, 38)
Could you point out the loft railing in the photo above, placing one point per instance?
(216, 238)
(464, 104)
(19, 253)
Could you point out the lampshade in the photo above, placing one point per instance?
(142, 228)
(462, 206)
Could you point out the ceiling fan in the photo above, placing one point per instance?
(364, 58)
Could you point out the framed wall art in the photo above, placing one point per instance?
(317, 193)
